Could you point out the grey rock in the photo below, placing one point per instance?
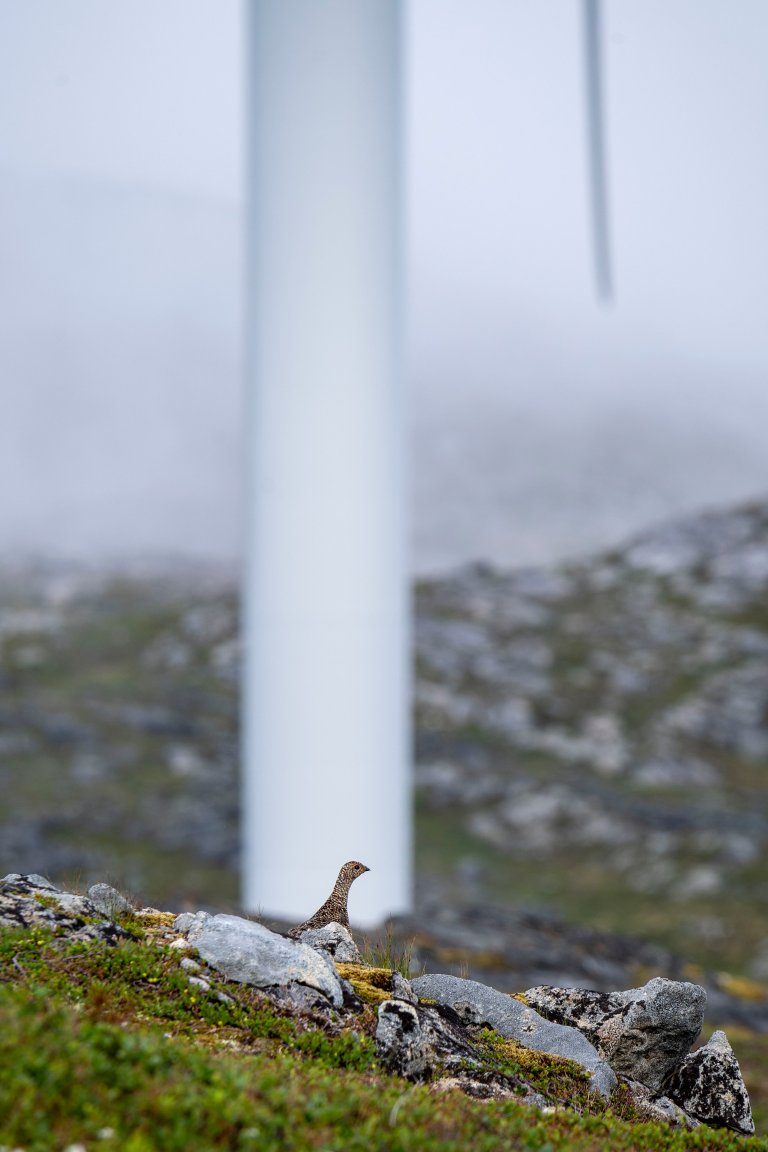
(335, 940)
(41, 882)
(708, 1084)
(476, 1003)
(71, 915)
(108, 900)
(653, 1107)
(402, 990)
(490, 1086)
(304, 999)
(199, 982)
(642, 1033)
(249, 953)
(402, 1045)
(189, 965)
(191, 923)
(413, 1040)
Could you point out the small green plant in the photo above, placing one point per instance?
(387, 952)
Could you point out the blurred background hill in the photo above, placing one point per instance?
(591, 737)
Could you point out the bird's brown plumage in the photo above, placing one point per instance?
(335, 907)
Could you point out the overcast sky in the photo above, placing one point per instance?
(543, 422)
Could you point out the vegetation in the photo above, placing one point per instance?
(113, 1047)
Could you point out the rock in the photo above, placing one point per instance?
(191, 923)
(708, 1084)
(402, 990)
(249, 953)
(489, 1085)
(40, 881)
(33, 902)
(402, 1045)
(654, 1108)
(108, 900)
(476, 1003)
(643, 1033)
(413, 1040)
(335, 940)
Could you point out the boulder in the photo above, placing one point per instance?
(33, 902)
(656, 1108)
(249, 953)
(414, 1040)
(402, 989)
(108, 900)
(402, 1045)
(643, 1033)
(708, 1085)
(335, 940)
(476, 1003)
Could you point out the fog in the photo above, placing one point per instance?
(543, 423)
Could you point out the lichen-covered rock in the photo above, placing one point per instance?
(643, 1033)
(653, 1107)
(476, 1003)
(412, 1040)
(489, 1085)
(335, 940)
(402, 1045)
(246, 951)
(708, 1084)
(191, 923)
(402, 989)
(108, 900)
(33, 902)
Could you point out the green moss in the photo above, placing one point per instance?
(46, 901)
(111, 1047)
(553, 1076)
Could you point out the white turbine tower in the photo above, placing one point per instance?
(325, 702)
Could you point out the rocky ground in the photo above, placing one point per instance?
(72, 967)
(591, 746)
(598, 733)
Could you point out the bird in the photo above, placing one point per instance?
(335, 907)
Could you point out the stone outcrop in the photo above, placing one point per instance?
(249, 953)
(475, 1003)
(108, 900)
(708, 1084)
(32, 901)
(335, 940)
(436, 1028)
(643, 1033)
(412, 1041)
(650, 1106)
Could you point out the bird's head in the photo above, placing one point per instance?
(351, 870)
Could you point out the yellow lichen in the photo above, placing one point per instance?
(151, 917)
(373, 985)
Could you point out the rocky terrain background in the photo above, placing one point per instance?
(591, 745)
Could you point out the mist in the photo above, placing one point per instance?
(542, 423)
